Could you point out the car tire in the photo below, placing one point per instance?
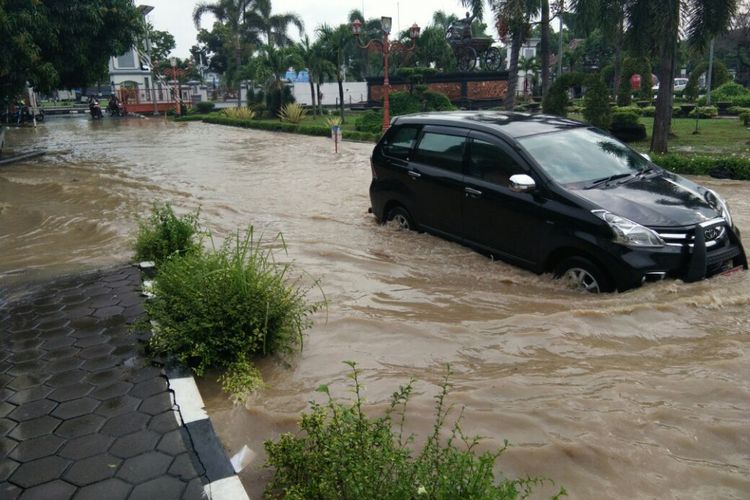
(402, 218)
(579, 273)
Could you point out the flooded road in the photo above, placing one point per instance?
(644, 394)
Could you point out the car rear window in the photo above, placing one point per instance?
(441, 150)
(400, 141)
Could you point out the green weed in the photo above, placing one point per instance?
(342, 453)
(164, 234)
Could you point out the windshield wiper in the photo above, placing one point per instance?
(605, 180)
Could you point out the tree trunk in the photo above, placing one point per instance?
(618, 56)
(312, 91)
(667, 52)
(238, 63)
(341, 97)
(515, 48)
(320, 104)
(544, 50)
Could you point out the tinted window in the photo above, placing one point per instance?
(399, 142)
(491, 163)
(582, 155)
(441, 150)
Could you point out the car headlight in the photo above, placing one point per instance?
(713, 199)
(630, 233)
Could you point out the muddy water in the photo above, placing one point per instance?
(638, 395)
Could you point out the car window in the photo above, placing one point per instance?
(399, 141)
(582, 155)
(441, 150)
(491, 163)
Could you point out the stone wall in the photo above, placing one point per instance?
(463, 89)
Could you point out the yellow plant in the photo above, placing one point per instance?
(333, 121)
(292, 113)
(239, 113)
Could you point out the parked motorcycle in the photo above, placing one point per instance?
(115, 108)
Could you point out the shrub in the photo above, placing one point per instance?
(704, 112)
(436, 101)
(239, 113)
(292, 113)
(596, 102)
(556, 101)
(736, 110)
(274, 100)
(222, 308)
(164, 235)
(403, 103)
(745, 118)
(737, 167)
(638, 111)
(651, 111)
(204, 107)
(343, 453)
(371, 121)
(626, 126)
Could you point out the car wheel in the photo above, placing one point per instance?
(581, 274)
(402, 218)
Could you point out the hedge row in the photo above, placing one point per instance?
(191, 118)
(291, 128)
(733, 167)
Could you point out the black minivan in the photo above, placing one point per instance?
(551, 195)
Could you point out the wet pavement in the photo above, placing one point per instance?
(83, 412)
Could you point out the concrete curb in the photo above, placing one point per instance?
(223, 482)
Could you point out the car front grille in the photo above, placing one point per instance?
(714, 233)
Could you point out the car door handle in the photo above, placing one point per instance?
(472, 193)
(414, 174)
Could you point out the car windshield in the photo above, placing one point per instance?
(583, 155)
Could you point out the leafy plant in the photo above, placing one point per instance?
(292, 113)
(738, 167)
(745, 117)
(164, 234)
(342, 453)
(333, 121)
(556, 101)
(223, 308)
(596, 110)
(370, 121)
(704, 112)
(204, 107)
(239, 113)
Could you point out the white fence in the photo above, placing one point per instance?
(354, 92)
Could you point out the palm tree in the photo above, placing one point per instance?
(609, 17)
(309, 54)
(513, 17)
(272, 64)
(274, 26)
(335, 43)
(528, 65)
(659, 23)
(232, 14)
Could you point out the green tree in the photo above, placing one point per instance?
(233, 15)
(271, 66)
(655, 26)
(62, 43)
(513, 18)
(335, 45)
(274, 27)
(162, 43)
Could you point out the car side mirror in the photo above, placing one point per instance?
(646, 156)
(522, 183)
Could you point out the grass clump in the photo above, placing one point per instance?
(222, 308)
(292, 113)
(239, 113)
(164, 234)
(343, 453)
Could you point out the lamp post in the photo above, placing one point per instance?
(173, 62)
(386, 47)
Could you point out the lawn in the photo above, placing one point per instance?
(719, 136)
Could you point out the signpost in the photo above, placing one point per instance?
(336, 136)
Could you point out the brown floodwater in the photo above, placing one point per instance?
(644, 394)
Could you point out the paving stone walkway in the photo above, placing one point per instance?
(83, 413)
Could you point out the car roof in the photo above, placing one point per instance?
(510, 124)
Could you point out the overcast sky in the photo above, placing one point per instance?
(175, 16)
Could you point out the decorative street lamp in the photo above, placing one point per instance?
(386, 47)
(173, 63)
